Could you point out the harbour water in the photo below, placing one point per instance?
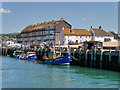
(32, 74)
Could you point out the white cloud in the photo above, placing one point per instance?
(5, 11)
(86, 19)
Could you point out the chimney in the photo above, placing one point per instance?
(53, 20)
(49, 22)
(41, 23)
(45, 22)
(91, 27)
(63, 19)
(38, 23)
(100, 27)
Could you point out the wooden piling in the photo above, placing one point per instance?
(114, 64)
(98, 60)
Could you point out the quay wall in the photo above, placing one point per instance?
(108, 60)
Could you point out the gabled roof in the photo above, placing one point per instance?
(114, 34)
(101, 32)
(80, 32)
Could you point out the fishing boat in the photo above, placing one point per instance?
(63, 60)
(17, 53)
(31, 56)
(56, 58)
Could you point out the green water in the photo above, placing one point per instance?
(31, 74)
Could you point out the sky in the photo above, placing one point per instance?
(17, 15)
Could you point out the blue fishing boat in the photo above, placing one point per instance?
(31, 55)
(63, 60)
(55, 57)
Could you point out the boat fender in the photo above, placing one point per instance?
(35, 58)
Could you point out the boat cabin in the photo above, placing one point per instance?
(18, 52)
(30, 53)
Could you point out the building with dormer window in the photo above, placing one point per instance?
(48, 32)
(98, 34)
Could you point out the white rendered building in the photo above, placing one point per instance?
(75, 35)
(98, 34)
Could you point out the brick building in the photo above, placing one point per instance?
(55, 32)
(48, 32)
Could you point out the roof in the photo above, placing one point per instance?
(46, 24)
(81, 32)
(41, 25)
(18, 33)
(114, 34)
(101, 32)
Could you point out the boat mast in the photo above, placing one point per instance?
(53, 50)
(59, 48)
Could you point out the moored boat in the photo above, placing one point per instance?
(56, 58)
(17, 53)
(22, 56)
(63, 60)
(31, 55)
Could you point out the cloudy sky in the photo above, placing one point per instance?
(17, 15)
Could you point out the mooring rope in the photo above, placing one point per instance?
(77, 59)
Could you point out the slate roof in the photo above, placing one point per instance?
(114, 34)
(101, 32)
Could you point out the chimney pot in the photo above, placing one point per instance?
(100, 27)
(91, 27)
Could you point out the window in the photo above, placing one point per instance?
(45, 32)
(36, 33)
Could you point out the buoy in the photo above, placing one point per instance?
(35, 58)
